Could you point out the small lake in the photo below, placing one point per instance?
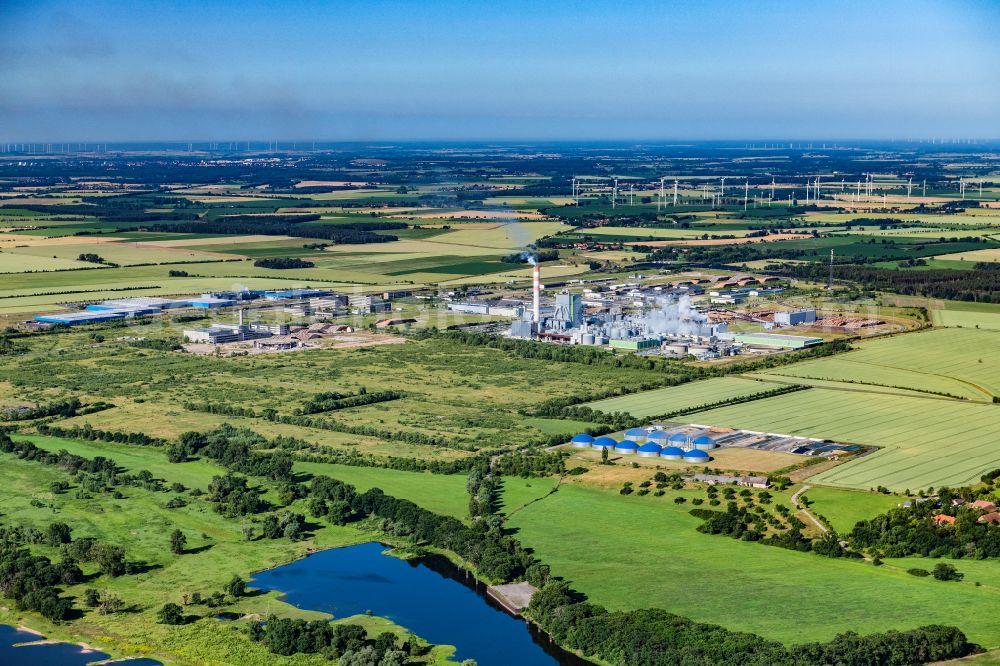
(430, 597)
(51, 654)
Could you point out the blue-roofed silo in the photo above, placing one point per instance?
(626, 446)
(658, 436)
(637, 435)
(703, 442)
(582, 441)
(672, 453)
(696, 456)
(604, 443)
(650, 450)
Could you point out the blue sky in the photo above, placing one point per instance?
(292, 70)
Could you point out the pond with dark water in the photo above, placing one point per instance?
(428, 596)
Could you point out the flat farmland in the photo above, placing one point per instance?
(664, 233)
(967, 319)
(14, 262)
(661, 401)
(925, 441)
(989, 255)
(123, 254)
(510, 236)
(643, 552)
(954, 361)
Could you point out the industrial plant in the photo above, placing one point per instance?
(658, 320)
(691, 443)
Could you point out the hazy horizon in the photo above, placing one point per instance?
(448, 71)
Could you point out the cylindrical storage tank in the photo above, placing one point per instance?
(696, 456)
(672, 453)
(604, 443)
(677, 349)
(626, 446)
(649, 450)
(703, 442)
(679, 440)
(582, 441)
(589, 339)
(658, 436)
(637, 435)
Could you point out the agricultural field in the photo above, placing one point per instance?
(763, 586)
(686, 396)
(967, 319)
(664, 233)
(14, 262)
(926, 441)
(945, 361)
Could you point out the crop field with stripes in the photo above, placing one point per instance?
(957, 361)
(686, 396)
(925, 441)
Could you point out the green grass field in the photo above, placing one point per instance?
(141, 524)
(951, 361)
(967, 319)
(193, 474)
(638, 552)
(441, 493)
(661, 401)
(13, 262)
(844, 508)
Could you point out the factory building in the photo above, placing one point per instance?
(367, 304)
(776, 340)
(795, 317)
(523, 329)
(210, 301)
(122, 308)
(222, 333)
(146, 302)
(500, 308)
(637, 344)
(289, 294)
(568, 311)
(83, 317)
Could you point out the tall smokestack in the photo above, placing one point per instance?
(536, 287)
